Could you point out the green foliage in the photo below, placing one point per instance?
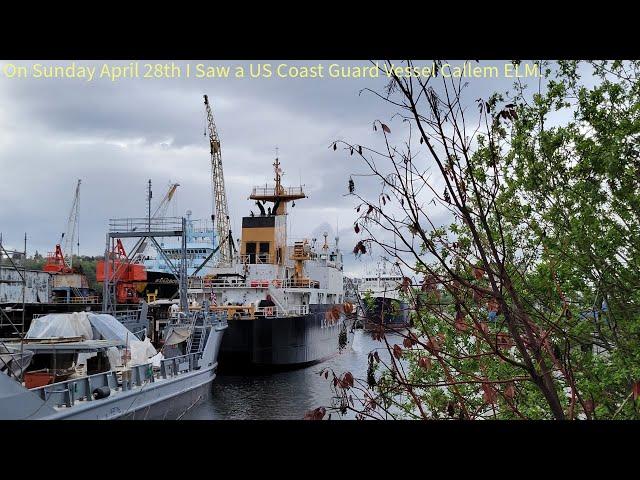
(548, 223)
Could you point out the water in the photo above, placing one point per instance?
(283, 395)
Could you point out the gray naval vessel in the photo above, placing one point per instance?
(163, 387)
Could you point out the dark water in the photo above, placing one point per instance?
(283, 395)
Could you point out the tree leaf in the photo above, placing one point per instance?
(397, 351)
(510, 390)
(424, 363)
(315, 414)
(489, 394)
(478, 273)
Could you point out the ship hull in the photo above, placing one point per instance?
(165, 283)
(162, 398)
(166, 402)
(391, 313)
(281, 342)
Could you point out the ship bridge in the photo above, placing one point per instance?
(278, 195)
(264, 236)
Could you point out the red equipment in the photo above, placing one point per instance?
(55, 262)
(125, 274)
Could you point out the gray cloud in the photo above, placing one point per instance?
(115, 136)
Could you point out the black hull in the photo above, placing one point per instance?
(165, 283)
(388, 312)
(281, 342)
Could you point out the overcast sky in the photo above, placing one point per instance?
(116, 135)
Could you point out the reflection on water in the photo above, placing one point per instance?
(283, 395)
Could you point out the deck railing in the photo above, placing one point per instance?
(256, 259)
(68, 392)
(79, 299)
(271, 191)
(208, 284)
(140, 225)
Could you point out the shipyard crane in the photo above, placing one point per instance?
(138, 253)
(220, 207)
(61, 261)
(166, 200)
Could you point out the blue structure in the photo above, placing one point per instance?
(201, 242)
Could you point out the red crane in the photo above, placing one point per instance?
(127, 275)
(57, 262)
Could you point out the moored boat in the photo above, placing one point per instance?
(284, 303)
(381, 302)
(111, 376)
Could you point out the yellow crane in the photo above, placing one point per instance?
(220, 208)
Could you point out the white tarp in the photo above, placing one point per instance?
(115, 357)
(141, 351)
(177, 335)
(93, 326)
(74, 324)
(109, 328)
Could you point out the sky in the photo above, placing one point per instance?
(115, 135)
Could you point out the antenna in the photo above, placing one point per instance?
(149, 197)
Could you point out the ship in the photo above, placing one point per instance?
(284, 304)
(161, 281)
(83, 366)
(381, 301)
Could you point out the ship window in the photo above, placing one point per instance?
(250, 250)
(264, 251)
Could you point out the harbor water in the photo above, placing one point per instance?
(284, 395)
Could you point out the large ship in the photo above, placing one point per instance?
(381, 301)
(161, 281)
(284, 303)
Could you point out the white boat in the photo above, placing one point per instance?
(381, 301)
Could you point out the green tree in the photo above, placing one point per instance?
(525, 303)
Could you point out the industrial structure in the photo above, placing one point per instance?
(220, 218)
(118, 268)
(61, 260)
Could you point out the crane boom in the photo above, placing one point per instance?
(220, 207)
(166, 200)
(72, 226)
(159, 212)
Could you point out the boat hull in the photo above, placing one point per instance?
(391, 313)
(281, 342)
(161, 397)
(159, 402)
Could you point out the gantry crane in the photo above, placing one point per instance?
(220, 207)
(61, 261)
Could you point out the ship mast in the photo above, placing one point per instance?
(220, 207)
(264, 238)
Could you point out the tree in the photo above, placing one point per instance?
(525, 299)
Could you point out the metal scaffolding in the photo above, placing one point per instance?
(12, 255)
(143, 229)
